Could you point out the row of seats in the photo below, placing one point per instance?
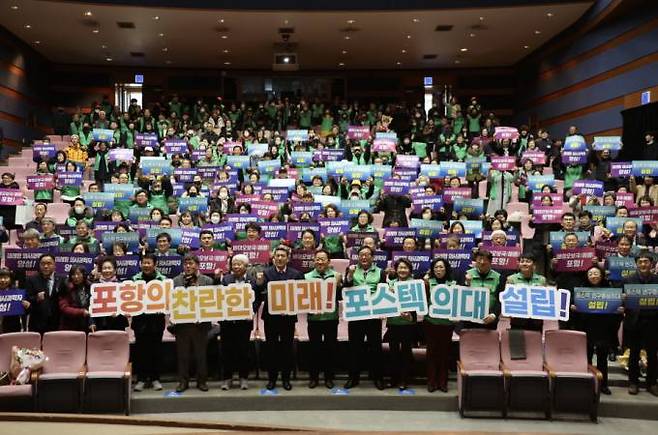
(83, 372)
(554, 376)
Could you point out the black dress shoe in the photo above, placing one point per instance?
(380, 385)
(182, 386)
(606, 391)
(444, 389)
(271, 385)
(431, 388)
(287, 385)
(351, 383)
(313, 383)
(329, 384)
(202, 386)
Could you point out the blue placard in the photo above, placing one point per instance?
(535, 302)
(431, 171)
(11, 302)
(269, 166)
(238, 162)
(170, 265)
(156, 166)
(575, 143)
(600, 212)
(274, 230)
(620, 268)
(297, 135)
(309, 173)
(127, 267)
(641, 296)
(351, 208)
(616, 224)
(427, 228)
(102, 135)
(122, 192)
(99, 200)
(420, 260)
(337, 169)
(612, 143)
(536, 182)
(644, 168)
(471, 227)
(472, 208)
(197, 204)
(153, 233)
(597, 300)
(557, 237)
(382, 171)
(139, 214)
(452, 169)
(301, 159)
(130, 239)
(222, 232)
(64, 261)
(256, 149)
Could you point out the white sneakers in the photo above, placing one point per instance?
(139, 386)
(157, 386)
(227, 384)
(244, 385)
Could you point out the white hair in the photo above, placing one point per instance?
(241, 257)
(499, 233)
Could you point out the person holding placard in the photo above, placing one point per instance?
(365, 336)
(323, 328)
(42, 296)
(640, 328)
(482, 275)
(279, 329)
(12, 323)
(526, 275)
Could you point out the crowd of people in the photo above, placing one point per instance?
(237, 157)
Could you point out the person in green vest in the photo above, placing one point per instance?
(401, 331)
(70, 193)
(500, 190)
(334, 245)
(323, 328)
(327, 124)
(141, 200)
(85, 136)
(305, 116)
(83, 235)
(316, 110)
(366, 273)
(75, 127)
(526, 276)
(80, 212)
(473, 118)
(158, 196)
(363, 223)
(438, 332)
(572, 173)
(459, 148)
(45, 196)
(482, 275)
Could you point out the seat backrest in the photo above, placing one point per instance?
(340, 265)
(566, 351)
(65, 350)
(29, 340)
(479, 349)
(108, 351)
(533, 349)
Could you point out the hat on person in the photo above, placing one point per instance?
(148, 149)
(356, 182)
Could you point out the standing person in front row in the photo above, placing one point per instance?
(148, 333)
(42, 293)
(235, 334)
(279, 328)
(192, 337)
(640, 328)
(482, 275)
(365, 274)
(323, 328)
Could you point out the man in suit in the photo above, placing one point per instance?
(192, 337)
(41, 292)
(279, 329)
(235, 334)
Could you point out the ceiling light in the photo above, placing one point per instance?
(95, 31)
(416, 20)
(408, 36)
(225, 51)
(403, 51)
(161, 35)
(526, 46)
(37, 42)
(398, 63)
(347, 37)
(344, 52)
(227, 63)
(463, 50)
(168, 62)
(472, 35)
(549, 14)
(537, 32)
(286, 59)
(103, 46)
(13, 7)
(221, 20)
(351, 21)
(481, 18)
(27, 26)
(156, 18)
(286, 22)
(108, 59)
(164, 50)
(457, 61)
(224, 36)
(341, 63)
(88, 14)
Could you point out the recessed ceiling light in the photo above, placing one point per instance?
(416, 20)
(526, 46)
(286, 22)
(537, 32)
(161, 35)
(344, 52)
(108, 59)
(165, 49)
(88, 14)
(457, 61)
(472, 35)
(221, 20)
(227, 63)
(37, 42)
(27, 26)
(224, 36)
(403, 51)
(156, 18)
(549, 14)
(398, 63)
(341, 63)
(463, 50)
(481, 18)
(95, 31)
(351, 21)
(103, 46)
(168, 62)
(408, 36)
(13, 7)
(347, 37)
(225, 51)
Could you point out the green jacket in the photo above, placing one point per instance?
(371, 277)
(517, 278)
(158, 276)
(490, 281)
(314, 274)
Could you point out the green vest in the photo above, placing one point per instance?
(368, 277)
(517, 278)
(491, 281)
(314, 274)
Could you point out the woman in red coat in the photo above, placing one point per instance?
(74, 296)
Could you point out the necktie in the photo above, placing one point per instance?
(50, 286)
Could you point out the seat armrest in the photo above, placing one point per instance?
(83, 371)
(595, 372)
(129, 369)
(506, 372)
(550, 371)
(460, 369)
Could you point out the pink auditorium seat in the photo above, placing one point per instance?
(526, 379)
(21, 162)
(108, 378)
(26, 153)
(17, 396)
(340, 265)
(574, 383)
(513, 207)
(60, 384)
(21, 173)
(480, 381)
(55, 137)
(378, 220)
(482, 189)
(59, 212)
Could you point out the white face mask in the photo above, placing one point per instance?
(214, 219)
(223, 195)
(79, 210)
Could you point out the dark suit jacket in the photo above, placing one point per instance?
(44, 316)
(201, 280)
(636, 320)
(271, 274)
